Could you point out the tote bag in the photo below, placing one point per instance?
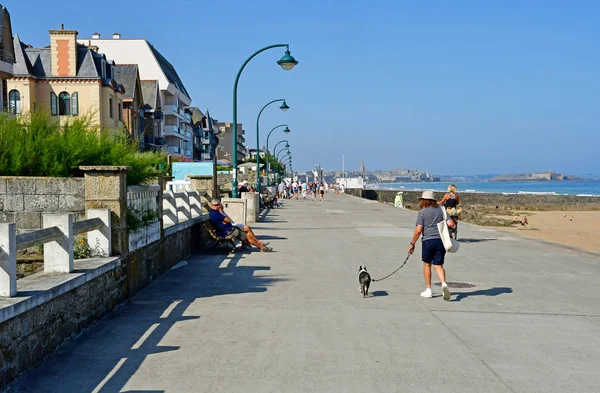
(451, 245)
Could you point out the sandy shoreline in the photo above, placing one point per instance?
(552, 226)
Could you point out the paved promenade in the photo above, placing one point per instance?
(294, 321)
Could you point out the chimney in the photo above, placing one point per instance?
(116, 36)
(63, 52)
(96, 36)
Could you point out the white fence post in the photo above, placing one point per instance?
(58, 255)
(99, 240)
(170, 216)
(183, 202)
(8, 260)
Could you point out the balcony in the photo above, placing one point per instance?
(171, 130)
(172, 110)
(6, 64)
(188, 118)
(173, 150)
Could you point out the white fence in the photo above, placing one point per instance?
(142, 214)
(57, 236)
(178, 185)
(181, 206)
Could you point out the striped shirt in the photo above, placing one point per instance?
(429, 218)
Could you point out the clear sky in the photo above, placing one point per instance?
(452, 87)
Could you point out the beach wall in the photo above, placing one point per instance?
(512, 201)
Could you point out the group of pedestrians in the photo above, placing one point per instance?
(295, 189)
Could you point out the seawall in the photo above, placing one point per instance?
(511, 201)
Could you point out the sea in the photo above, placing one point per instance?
(571, 187)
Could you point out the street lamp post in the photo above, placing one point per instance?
(287, 131)
(282, 150)
(284, 107)
(287, 145)
(287, 62)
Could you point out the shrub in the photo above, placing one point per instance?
(37, 145)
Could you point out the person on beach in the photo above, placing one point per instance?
(225, 227)
(433, 251)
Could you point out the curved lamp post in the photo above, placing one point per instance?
(287, 131)
(284, 107)
(280, 151)
(287, 62)
(287, 145)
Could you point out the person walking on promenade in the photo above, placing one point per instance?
(433, 251)
(450, 199)
(304, 188)
(321, 192)
(313, 190)
(281, 190)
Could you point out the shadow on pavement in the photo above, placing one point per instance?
(270, 237)
(482, 292)
(105, 357)
(379, 293)
(467, 240)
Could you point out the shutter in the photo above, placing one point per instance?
(53, 104)
(75, 104)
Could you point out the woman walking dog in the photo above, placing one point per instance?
(433, 252)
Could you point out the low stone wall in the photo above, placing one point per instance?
(513, 201)
(24, 199)
(27, 337)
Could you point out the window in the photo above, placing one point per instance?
(110, 108)
(14, 102)
(53, 104)
(64, 104)
(120, 111)
(75, 104)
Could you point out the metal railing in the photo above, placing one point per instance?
(57, 237)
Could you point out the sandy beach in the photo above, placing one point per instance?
(552, 226)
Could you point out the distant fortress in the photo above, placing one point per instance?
(547, 176)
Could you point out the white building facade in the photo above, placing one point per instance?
(177, 124)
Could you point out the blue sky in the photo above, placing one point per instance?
(464, 87)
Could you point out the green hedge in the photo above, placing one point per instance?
(37, 145)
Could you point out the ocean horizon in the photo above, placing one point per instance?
(570, 187)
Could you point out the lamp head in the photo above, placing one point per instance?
(284, 107)
(287, 62)
(287, 130)
(287, 145)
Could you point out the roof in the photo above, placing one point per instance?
(127, 75)
(150, 93)
(6, 35)
(35, 62)
(169, 70)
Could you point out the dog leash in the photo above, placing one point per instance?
(392, 273)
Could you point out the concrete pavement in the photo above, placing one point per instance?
(294, 321)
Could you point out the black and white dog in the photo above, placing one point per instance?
(364, 280)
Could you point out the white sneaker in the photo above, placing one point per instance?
(446, 291)
(426, 293)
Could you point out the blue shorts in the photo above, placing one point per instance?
(434, 252)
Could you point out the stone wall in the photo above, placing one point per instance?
(513, 201)
(32, 335)
(24, 199)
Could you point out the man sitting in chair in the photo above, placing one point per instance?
(225, 227)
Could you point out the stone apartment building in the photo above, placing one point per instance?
(152, 117)
(176, 125)
(225, 147)
(205, 131)
(7, 59)
(133, 101)
(66, 79)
